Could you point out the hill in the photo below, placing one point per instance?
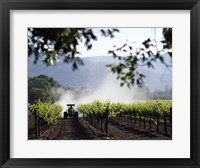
(94, 72)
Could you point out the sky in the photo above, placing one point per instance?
(132, 36)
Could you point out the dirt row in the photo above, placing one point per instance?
(74, 129)
(121, 131)
(78, 129)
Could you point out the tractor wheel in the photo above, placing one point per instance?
(65, 115)
(76, 115)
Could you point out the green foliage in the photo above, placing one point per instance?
(97, 108)
(127, 67)
(167, 33)
(56, 42)
(47, 112)
(146, 108)
(42, 88)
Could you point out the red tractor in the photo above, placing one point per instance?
(71, 112)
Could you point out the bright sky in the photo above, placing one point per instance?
(134, 36)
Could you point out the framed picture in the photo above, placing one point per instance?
(99, 83)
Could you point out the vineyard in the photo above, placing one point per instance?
(150, 114)
(46, 115)
(104, 118)
(71, 103)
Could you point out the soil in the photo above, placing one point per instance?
(78, 129)
(121, 131)
(74, 129)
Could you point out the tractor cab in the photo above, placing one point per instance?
(70, 112)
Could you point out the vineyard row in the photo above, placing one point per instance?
(151, 115)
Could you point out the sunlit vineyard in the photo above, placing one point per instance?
(156, 108)
(150, 115)
(116, 93)
(47, 112)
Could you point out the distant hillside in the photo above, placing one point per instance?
(93, 73)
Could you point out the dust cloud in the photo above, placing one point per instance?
(109, 89)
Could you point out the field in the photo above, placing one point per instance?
(147, 120)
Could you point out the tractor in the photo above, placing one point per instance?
(70, 112)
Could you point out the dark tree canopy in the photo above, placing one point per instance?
(42, 88)
(127, 67)
(54, 43)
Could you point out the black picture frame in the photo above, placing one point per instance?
(7, 5)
